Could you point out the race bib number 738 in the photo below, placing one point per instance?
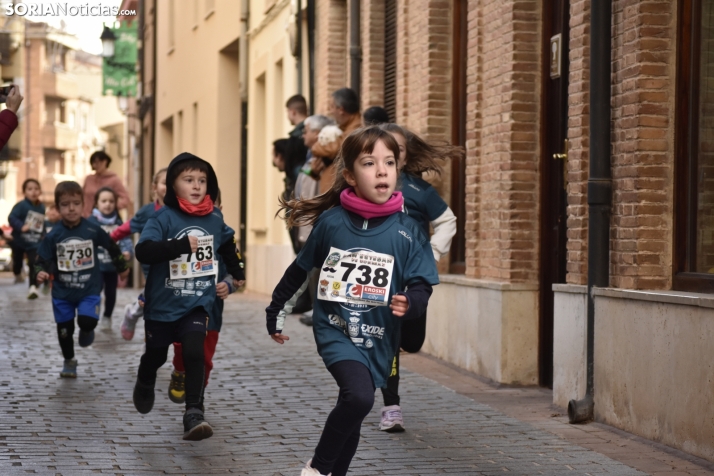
(356, 277)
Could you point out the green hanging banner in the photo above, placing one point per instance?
(119, 71)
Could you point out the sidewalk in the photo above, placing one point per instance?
(267, 404)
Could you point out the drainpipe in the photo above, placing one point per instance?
(298, 48)
(599, 187)
(243, 73)
(311, 53)
(355, 49)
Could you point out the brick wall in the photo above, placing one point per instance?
(578, 135)
(474, 123)
(331, 42)
(372, 40)
(507, 236)
(643, 147)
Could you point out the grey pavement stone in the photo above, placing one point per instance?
(267, 404)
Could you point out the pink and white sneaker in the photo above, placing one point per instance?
(392, 420)
(310, 471)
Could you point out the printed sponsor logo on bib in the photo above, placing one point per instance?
(75, 255)
(193, 265)
(103, 254)
(356, 277)
(35, 221)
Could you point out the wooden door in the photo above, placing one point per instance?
(553, 193)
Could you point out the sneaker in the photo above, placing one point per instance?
(106, 322)
(19, 278)
(195, 427)
(69, 370)
(32, 293)
(392, 421)
(86, 338)
(306, 318)
(177, 387)
(129, 323)
(143, 397)
(310, 471)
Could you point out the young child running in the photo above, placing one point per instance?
(177, 388)
(69, 253)
(180, 243)
(135, 310)
(105, 215)
(423, 203)
(52, 217)
(376, 269)
(27, 219)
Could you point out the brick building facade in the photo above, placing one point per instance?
(481, 72)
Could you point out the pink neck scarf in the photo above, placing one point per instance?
(368, 210)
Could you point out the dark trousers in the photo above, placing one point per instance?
(193, 359)
(340, 437)
(18, 255)
(413, 334)
(110, 280)
(65, 333)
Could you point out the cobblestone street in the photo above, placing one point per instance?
(267, 404)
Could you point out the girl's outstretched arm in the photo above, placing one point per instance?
(291, 286)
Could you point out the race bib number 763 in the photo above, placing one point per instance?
(193, 265)
(356, 277)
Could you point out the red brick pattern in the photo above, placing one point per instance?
(643, 107)
(578, 135)
(508, 144)
(372, 40)
(331, 42)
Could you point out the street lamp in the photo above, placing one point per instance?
(108, 38)
(122, 103)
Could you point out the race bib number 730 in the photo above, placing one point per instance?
(356, 277)
(75, 256)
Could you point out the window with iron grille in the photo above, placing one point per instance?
(390, 58)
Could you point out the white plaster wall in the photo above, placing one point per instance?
(654, 371)
(485, 329)
(265, 265)
(569, 343)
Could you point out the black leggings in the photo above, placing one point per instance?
(18, 255)
(340, 437)
(110, 280)
(412, 338)
(65, 333)
(192, 353)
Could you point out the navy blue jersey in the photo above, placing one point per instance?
(362, 332)
(125, 244)
(421, 201)
(142, 215)
(27, 240)
(72, 253)
(170, 299)
(215, 314)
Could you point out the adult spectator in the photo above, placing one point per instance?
(306, 187)
(344, 108)
(102, 177)
(280, 148)
(8, 117)
(375, 115)
(297, 113)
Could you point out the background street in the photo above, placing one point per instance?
(267, 404)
